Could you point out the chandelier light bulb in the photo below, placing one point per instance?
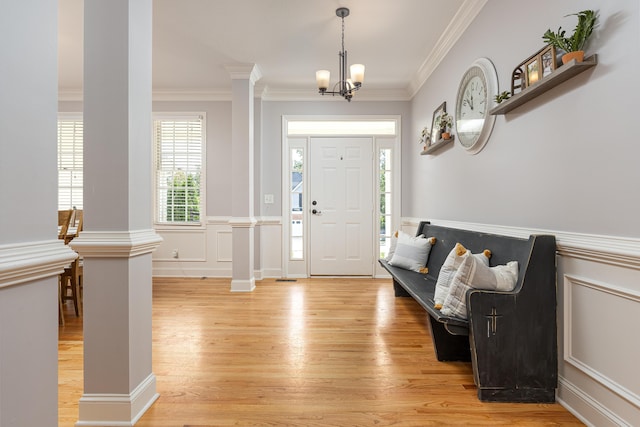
(357, 73)
(323, 77)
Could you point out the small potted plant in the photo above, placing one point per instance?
(574, 44)
(424, 138)
(503, 96)
(445, 122)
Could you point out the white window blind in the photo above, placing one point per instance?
(178, 164)
(70, 164)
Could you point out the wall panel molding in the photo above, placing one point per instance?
(223, 245)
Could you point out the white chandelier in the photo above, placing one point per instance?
(345, 87)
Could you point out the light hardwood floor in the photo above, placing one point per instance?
(318, 352)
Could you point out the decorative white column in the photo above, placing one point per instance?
(243, 222)
(118, 238)
(31, 256)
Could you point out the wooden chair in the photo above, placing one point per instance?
(64, 219)
(75, 225)
(71, 278)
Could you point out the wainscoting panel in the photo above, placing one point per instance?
(207, 251)
(271, 246)
(592, 342)
(223, 240)
(188, 245)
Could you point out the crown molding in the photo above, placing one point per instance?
(192, 95)
(265, 93)
(364, 94)
(70, 94)
(244, 72)
(457, 26)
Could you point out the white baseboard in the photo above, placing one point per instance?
(117, 410)
(586, 408)
(243, 285)
(217, 273)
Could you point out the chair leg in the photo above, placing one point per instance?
(74, 294)
(60, 309)
(77, 294)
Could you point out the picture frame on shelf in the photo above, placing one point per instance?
(532, 70)
(435, 128)
(548, 60)
(535, 68)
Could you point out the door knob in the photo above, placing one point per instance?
(316, 212)
(314, 203)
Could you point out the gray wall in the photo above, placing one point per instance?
(567, 160)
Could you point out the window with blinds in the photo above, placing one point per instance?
(179, 147)
(70, 163)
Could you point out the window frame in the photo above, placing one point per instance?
(178, 116)
(70, 117)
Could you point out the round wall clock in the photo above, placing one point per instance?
(476, 93)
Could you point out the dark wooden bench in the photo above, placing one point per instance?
(509, 337)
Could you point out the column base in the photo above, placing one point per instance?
(243, 285)
(117, 410)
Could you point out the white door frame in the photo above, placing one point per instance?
(300, 268)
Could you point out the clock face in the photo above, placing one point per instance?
(477, 89)
(473, 107)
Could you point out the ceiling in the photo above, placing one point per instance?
(399, 41)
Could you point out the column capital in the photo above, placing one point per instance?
(240, 71)
(116, 244)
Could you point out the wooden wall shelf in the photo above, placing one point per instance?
(438, 145)
(562, 74)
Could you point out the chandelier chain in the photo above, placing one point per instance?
(343, 33)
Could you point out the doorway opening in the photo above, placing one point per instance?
(341, 193)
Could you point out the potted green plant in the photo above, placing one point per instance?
(444, 123)
(424, 137)
(503, 96)
(574, 44)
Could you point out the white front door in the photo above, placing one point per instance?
(341, 206)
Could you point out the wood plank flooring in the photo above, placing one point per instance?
(317, 352)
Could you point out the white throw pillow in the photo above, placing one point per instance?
(474, 274)
(412, 253)
(392, 246)
(449, 268)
